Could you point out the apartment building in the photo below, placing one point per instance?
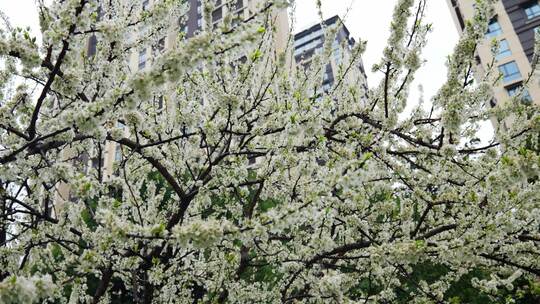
(307, 43)
(513, 25)
(310, 41)
(190, 25)
(193, 22)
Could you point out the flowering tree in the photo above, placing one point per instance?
(237, 180)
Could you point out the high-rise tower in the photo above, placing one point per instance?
(513, 25)
(310, 41)
(190, 24)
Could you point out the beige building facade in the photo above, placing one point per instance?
(513, 26)
(190, 26)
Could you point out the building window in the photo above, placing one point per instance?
(510, 71)
(217, 14)
(118, 153)
(336, 50)
(100, 14)
(325, 77)
(494, 28)
(504, 49)
(159, 102)
(532, 10)
(184, 28)
(306, 47)
(92, 46)
(239, 4)
(526, 97)
(97, 162)
(327, 87)
(516, 89)
(238, 18)
(142, 59)
(160, 46)
(308, 37)
(513, 91)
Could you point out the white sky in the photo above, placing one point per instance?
(370, 20)
(367, 19)
(21, 13)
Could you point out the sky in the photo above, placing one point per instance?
(20, 13)
(369, 20)
(366, 20)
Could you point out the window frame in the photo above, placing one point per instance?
(238, 5)
(142, 55)
(217, 15)
(514, 90)
(508, 75)
(493, 33)
(159, 47)
(532, 10)
(503, 53)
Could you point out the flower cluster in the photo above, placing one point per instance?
(218, 171)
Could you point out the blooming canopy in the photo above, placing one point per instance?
(222, 173)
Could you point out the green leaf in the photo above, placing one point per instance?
(256, 55)
(158, 230)
(294, 118)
